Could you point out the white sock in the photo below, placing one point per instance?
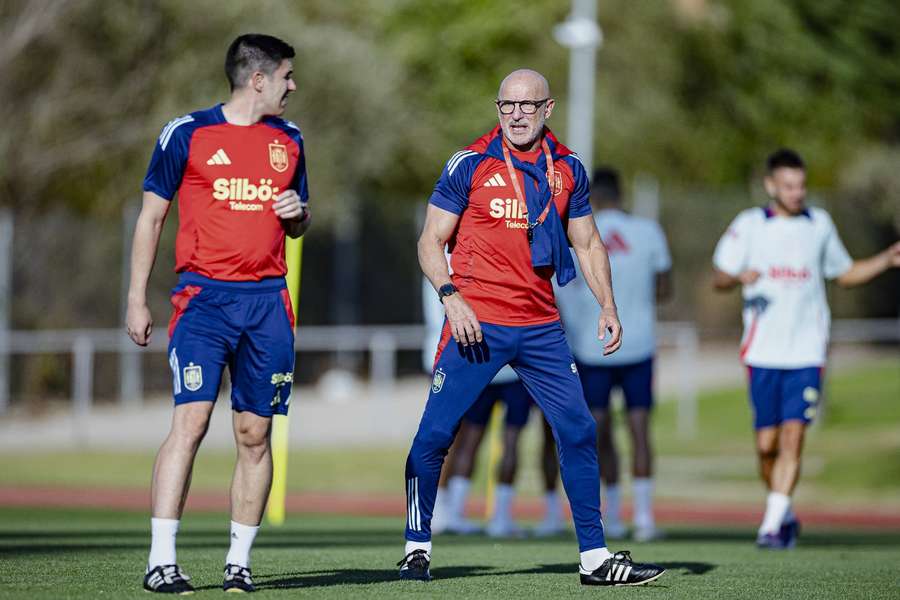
(776, 507)
(592, 559)
(457, 492)
(411, 546)
(643, 502)
(552, 506)
(162, 542)
(242, 537)
(503, 500)
(612, 508)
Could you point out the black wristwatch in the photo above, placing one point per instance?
(448, 289)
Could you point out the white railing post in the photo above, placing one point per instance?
(6, 267)
(383, 363)
(131, 376)
(82, 374)
(687, 344)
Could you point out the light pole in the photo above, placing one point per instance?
(581, 34)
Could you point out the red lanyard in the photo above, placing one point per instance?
(551, 180)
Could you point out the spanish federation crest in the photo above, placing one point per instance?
(437, 384)
(193, 377)
(557, 183)
(278, 156)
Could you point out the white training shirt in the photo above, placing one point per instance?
(637, 253)
(434, 323)
(786, 316)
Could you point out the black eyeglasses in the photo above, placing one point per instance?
(529, 107)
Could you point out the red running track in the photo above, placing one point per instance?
(667, 512)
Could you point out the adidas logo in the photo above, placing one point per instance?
(495, 181)
(219, 158)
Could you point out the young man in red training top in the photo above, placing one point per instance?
(509, 205)
(240, 175)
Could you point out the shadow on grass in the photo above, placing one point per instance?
(329, 578)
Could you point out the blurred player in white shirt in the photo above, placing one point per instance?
(641, 265)
(781, 254)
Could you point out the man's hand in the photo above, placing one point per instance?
(464, 325)
(609, 322)
(288, 206)
(139, 323)
(748, 277)
(893, 252)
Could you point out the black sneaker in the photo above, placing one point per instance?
(237, 579)
(167, 579)
(414, 566)
(620, 570)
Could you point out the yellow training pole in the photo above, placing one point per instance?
(495, 452)
(293, 250)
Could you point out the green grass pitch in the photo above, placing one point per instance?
(100, 554)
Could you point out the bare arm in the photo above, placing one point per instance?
(594, 262)
(439, 226)
(864, 270)
(138, 322)
(723, 282)
(664, 286)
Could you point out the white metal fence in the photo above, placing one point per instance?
(380, 342)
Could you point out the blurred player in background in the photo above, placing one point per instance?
(456, 476)
(509, 205)
(641, 265)
(781, 254)
(239, 172)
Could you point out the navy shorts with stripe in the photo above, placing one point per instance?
(247, 326)
(513, 394)
(635, 379)
(779, 395)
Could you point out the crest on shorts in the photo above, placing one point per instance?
(278, 156)
(437, 384)
(193, 377)
(557, 183)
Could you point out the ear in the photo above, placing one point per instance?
(548, 108)
(257, 81)
(769, 184)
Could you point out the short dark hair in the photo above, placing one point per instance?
(784, 157)
(605, 185)
(254, 52)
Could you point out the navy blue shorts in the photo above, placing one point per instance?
(779, 395)
(636, 381)
(512, 394)
(248, 326)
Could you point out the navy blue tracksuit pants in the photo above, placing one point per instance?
(544, 363)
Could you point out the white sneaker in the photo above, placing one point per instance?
(614, 530)
(463, 527)
(549, 527)
(503, 528)
(647, 534)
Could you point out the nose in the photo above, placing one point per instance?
(517, 112)
(291, 85)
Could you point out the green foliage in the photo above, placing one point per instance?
(389, 89)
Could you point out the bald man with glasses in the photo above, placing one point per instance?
(509, 205)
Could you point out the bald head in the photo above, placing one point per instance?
(531, 80)
(523, 104)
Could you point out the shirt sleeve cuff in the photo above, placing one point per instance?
(150, 187)
(445, 203)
